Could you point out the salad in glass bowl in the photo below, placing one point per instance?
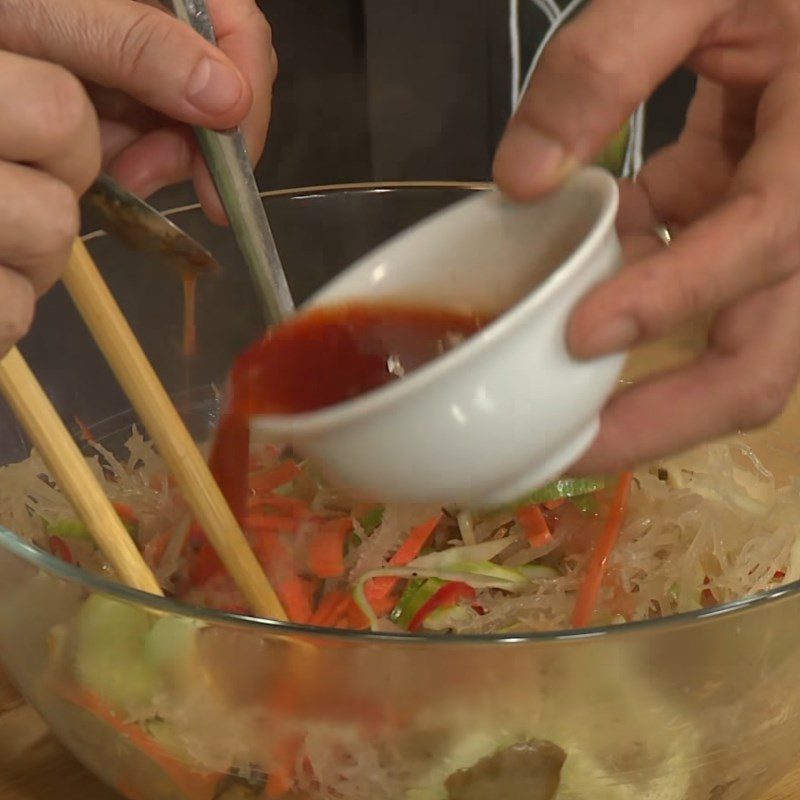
(612, 637)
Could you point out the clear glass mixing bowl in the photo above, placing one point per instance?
(702, 706)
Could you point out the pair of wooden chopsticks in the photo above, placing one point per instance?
(140, 383)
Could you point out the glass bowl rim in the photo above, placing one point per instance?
(40, 559)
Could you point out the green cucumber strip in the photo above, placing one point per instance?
(587, 503)
(68, 529)
(372, 519)
(412, 601)
(566, 488)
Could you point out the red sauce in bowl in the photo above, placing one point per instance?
(323, 357)
(329, 355)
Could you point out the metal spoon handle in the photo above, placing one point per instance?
(226, 156)
(227, 159)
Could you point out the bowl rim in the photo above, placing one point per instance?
(591, 182)
(39, 559)
(322, 189)
(97, 584)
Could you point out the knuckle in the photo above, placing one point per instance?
(605, 69)
(692, 295)
(776, 233)
(62, 106)
(55, 238)
(150, 31)
(87, 169)
(762, 398)
(259, 25)
(17, 316)
(248, 16)
(667, 299)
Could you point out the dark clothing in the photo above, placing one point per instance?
(412, 90)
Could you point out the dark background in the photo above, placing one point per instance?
(399, 90)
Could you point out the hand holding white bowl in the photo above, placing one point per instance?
(728, 188)
(505, 411)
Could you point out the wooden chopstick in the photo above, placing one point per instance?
(63, 458)
(140, 383)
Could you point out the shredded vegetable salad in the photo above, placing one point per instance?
(187, 709)
(672, 537)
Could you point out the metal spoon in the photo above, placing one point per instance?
(140, 227)
(226, 156)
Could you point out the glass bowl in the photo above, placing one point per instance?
(700, 706)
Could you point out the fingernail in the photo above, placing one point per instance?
(615, 335)
(530, 162)
(214, 87)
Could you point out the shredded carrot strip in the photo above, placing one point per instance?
(325, 608)
(331, 609)
(273, 478)
(205, 565)
(355, 619)
(535, 526)
(126, 513)
(258, 522)
(593, 580)
(416, 540)
(552, 504)
(326, 547)
(281, 775)
(378, 589)
(86, 432)
(295, 594)
(273, 553)
(229, 459)
(192, 782)
(285, 504)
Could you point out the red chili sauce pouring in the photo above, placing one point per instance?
(324, 357)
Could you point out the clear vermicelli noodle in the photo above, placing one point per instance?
(703, 529)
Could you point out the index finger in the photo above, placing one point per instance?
(592, 76)
(740, 383)
(244, 35)
(749, 241)
(143, 51)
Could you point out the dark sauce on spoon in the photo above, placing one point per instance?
(324, 357)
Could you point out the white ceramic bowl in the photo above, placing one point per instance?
(509, 409)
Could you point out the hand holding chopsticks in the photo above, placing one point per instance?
(151, 402)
